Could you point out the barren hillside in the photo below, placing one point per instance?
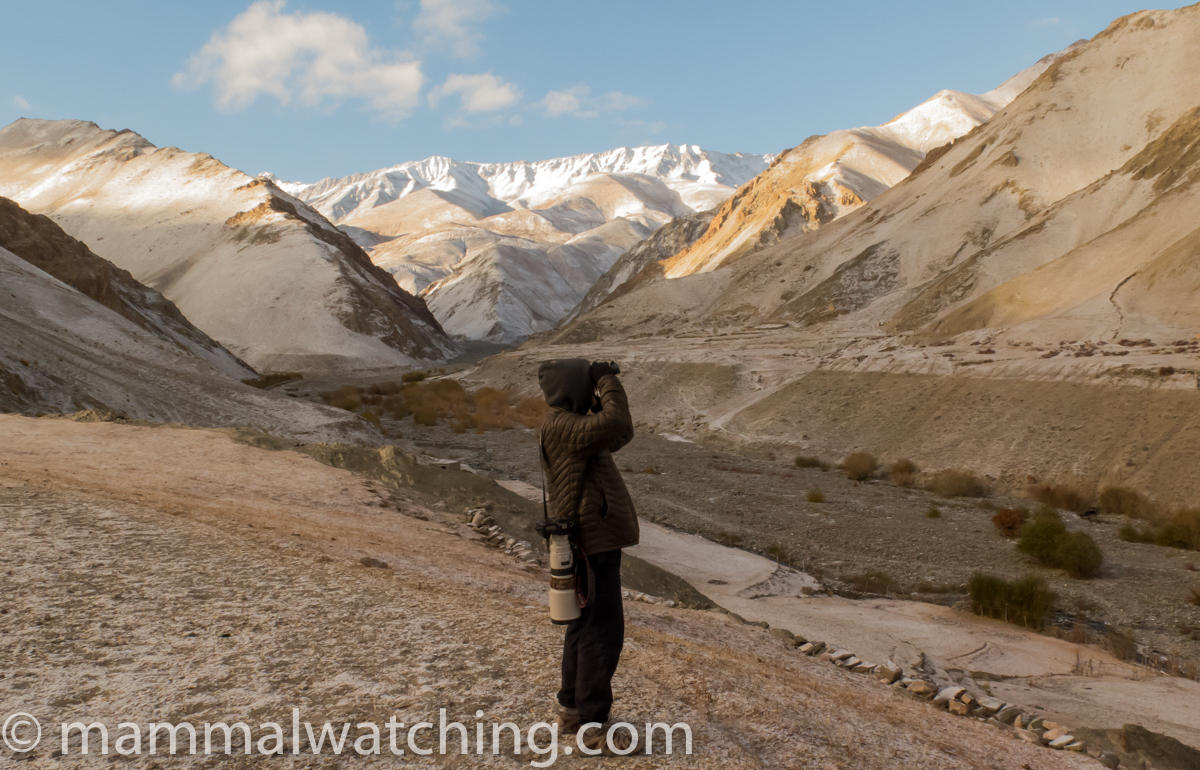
(252, 267)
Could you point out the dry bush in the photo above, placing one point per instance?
(413, 377)
(1122, 646)
(816, 496)
(872, 582)
(1010, 520)
(1073, 497)
(808, 462)
(903, 472)
(346, 397)
(424, 415)
(933, 513)
(1025, 601)
(1047, 540)
(954, 482)
(1123, 501)
(731, 539)
(859, 466)
(1182, 531)
(1194, 598)
(372, 418)
(1079, 555)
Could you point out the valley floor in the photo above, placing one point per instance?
(163, 574)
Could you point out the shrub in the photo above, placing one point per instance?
(728, 538)
(1194, 599)
(872, 582)
(1079, 555)
(1025, 601)
(1182, 531)
(1040, 537)
(809, 462)
(816, 496)
(1010, 520)
(425, 415)
(1123, 501)
(956, 483)
(933, 513)
(372, 418)
(859, 466)
(1068, 497)
(346, 397)
(1131, 534)
(903, 472)
(270, 380)
(1122, 646)
(413, 376)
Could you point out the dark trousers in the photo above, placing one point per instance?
(592, 647)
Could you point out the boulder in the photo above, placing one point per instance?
(782, 633)
(988, 706)
(1055, 734)
(1061, 742)
(812, 648)
(1109, 760)
(948, 694)
(960, 708)
(1029, 736)
(864, 668)
(1008, 714)
(1076, 746)
(849, 662)
(921, 687)
(888, 672)
(825, 656)
(840, 654)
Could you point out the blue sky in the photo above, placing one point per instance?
(312, 88)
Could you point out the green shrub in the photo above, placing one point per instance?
(903, 472)
(859, 466)
(371, 417)
(1079, 555)
(1040, 537)
(1131, 534)
(956, 483)
(425, 415)
(816, 496)
(1010, 520)
(347, 398)
(1024, 602)
(809, 462)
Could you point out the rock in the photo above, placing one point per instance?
(798, 640)
(1051, 725)
(998, 724)
(812, 648)
(1037, 724)
(1008, 714)
(966, 697)
(1109, 760)
(960, 708)
(367, 561)
(825, 657)
(1076, 746)
(948, 694)
(759, 623)
(481, 519)
(988, 706)
(782, 633)
(849, 662)
(1055, 734)
(1061, 742)
(1029, 737)
(921, 687)
(888, 672)
(864, 668)
(837, 655)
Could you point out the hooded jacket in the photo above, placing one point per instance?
(582, 481)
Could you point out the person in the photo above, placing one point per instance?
(588, 421)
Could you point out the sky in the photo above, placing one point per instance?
(307, 89)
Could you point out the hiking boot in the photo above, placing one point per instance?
(596, 738)
(569, 720)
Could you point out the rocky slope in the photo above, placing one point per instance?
(252, 267)
(43, 244)
(504, 250)
(77, 333)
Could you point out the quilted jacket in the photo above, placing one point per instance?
(583, 482)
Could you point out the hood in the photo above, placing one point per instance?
(567, 384)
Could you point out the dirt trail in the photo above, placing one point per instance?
(162, 574)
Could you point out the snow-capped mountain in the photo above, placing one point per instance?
(829, 176)
(502, 250)
(250, 265)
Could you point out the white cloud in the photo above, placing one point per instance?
(450, 23)
(615, 101)
(311, 57)
(578, 102)
(480, 93)
(1050, 22)
(20, 102)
